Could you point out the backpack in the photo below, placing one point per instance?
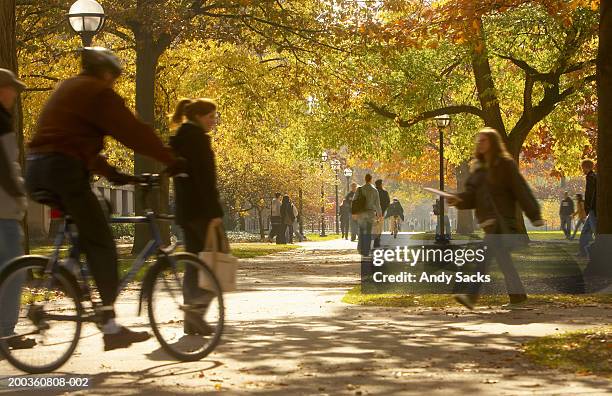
(359, 204)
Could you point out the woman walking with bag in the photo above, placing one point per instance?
(197, 197)
(287, 218)
(581, 213)
(494, 188)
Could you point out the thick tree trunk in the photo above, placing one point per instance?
(599, 272)
(146, 64)
(465, 218)
(604, 136)
(8, 60)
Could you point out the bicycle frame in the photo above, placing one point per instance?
(68, 234)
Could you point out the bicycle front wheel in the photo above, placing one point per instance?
(43, 330)
(185, 306)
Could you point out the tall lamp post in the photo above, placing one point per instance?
(348, 172)
(324, 158)
(442, 122)
(86, 18)
(336, 165)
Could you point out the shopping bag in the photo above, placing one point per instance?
(219, 260)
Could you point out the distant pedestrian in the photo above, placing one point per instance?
(590, 207)
(275, 216)
(287, 218)
(354, 227)
(383, 196)
(494, 188)
(580, 214)
(345, 218)
(566, 210)
(368, 211)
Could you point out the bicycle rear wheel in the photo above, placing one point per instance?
(49, 314)
(178, 311)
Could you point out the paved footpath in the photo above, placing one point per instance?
(288, 333)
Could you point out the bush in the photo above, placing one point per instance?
(121, 230)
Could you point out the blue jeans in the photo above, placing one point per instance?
(365, 235)
(586, 236)
(10, 247)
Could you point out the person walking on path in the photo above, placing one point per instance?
(590, 206)
(383, 196)
(345, 218)
(65, 150)
(494, 188)
(275, 217)
(580, 213)
(287, 219)
(371, 211)
(354, 227)
(197, 198)
(566, 211)
(12, 208)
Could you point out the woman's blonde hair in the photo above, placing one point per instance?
(190, 108)
(498, 147)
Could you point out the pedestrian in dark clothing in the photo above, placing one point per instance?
(197, 198)
(385, 200)
(65, 150)
(494, 188)
(275, 217)
(287, 219)
(590, 207)
(345, 218)
(354, 226)
(566, 211)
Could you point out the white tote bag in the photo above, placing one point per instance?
(217, 257)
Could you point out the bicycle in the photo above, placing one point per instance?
(55, 301)
(395, 226)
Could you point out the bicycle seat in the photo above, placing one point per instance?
(47, 197)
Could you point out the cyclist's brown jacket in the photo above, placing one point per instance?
(77, 116)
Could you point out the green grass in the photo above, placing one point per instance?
(318, 238)
(256, 249)
(582, 352)
(354, 296)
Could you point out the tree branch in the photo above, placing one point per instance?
(456, 109)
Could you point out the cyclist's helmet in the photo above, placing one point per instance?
(97, 60)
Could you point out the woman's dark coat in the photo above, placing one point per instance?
(495, 193)
(197, 196)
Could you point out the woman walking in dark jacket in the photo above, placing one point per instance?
(197, 198)
(494, 188)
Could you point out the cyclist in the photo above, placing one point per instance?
(65, 150)
(396, 211)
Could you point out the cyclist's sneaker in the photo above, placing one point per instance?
(195, 324)
(124, 338)
(21, 343)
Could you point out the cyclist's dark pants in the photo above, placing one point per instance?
(195, 237)
(68, 178)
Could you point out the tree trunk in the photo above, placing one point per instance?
(146, 64)
(8, 60)
(604, 136)
(262, 234)
(465, 218)
(598, 272)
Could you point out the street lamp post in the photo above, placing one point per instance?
(335, 164)
(324, 157)
(442, 122)
(86, 18)
(348, 172)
